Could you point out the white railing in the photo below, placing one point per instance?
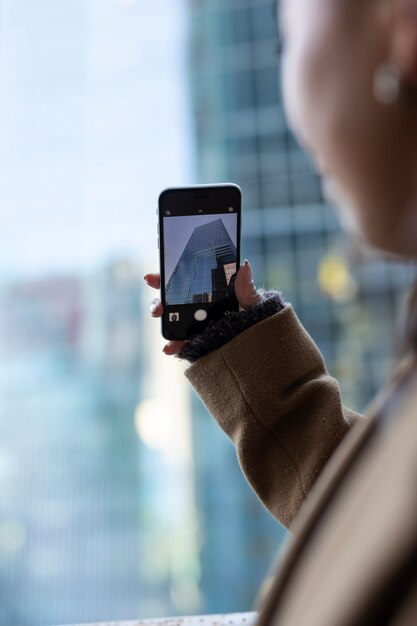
(226, 619)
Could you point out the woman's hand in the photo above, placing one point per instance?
(156, 309)
(245, 290)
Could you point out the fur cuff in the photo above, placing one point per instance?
(218, 333)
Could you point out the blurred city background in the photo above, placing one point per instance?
(119, 495)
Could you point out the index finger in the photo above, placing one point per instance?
(153, 280)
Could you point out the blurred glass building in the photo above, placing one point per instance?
(294, 243)
(84, 529)
(290, 235)
(69, 475)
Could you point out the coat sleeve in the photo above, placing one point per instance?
(270, 392)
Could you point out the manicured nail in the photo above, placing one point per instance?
(153, 307)
(247, 264)
(146, 277)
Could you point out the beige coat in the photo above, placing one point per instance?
(345, 485)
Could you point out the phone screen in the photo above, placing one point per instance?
(200, 256)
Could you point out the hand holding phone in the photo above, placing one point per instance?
(246, 294)
(199, 241)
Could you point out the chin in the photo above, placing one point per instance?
(390, 246)
(391, 233)
(389, 237)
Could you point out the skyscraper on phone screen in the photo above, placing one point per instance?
(205, 267)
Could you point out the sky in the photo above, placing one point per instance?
(94, 122)
(178, 230)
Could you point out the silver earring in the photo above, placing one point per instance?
(387, 84)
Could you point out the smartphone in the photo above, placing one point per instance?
(199, 244)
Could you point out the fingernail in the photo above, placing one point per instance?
(146, 277)
(248, 269)
(153, 307)
(164, 349)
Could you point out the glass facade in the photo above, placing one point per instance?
(69, 472)
(202, 273)
(97, 514)
(294, 243)
(290, 234)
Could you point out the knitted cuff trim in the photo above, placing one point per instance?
(220, 332)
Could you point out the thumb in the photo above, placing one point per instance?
(245, 290)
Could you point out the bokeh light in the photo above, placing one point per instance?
(334, 278)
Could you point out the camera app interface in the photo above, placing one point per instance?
(200, 257)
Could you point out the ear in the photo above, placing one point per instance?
(404, 39)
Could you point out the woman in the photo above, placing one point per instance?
(345, 485)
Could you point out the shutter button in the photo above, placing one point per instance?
(200, 315)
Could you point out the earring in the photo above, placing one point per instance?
(387, 84)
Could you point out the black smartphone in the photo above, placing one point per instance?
(199, 243)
